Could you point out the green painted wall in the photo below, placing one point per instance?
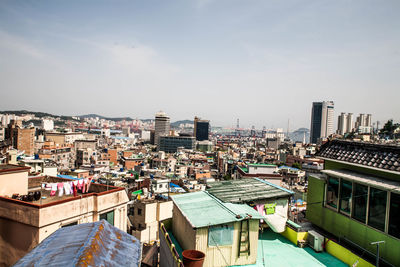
(342, 226)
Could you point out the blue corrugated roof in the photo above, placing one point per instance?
(89, 244)
(67, 177)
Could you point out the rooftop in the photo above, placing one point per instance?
(246, 190)
(386, 157)
(261, 165)
(11, 168)
(202, 209)
(34, 185)
(276, 250)
(89, 244)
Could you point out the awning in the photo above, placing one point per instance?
(276, 222)
(369, 180)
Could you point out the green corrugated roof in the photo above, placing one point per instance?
(246, 190)
(202, 209)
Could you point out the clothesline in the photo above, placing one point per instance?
(68, 188)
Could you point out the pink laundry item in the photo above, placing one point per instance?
(260, 209)
(85, 181)
(88, 185)
(60, 187)
(53, 190)
(80, 184)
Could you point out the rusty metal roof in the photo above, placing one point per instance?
(88, 244)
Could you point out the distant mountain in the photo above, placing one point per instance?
(23, 112)
(177, 123)
(37, 114)
(105, 118)
(298, 135)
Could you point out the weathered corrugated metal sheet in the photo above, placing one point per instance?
(201, 209)
(246, 190)
(89, 244)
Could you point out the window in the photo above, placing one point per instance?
(139, 211)
(70, 224)
(332, 192)
(345, 195)
(377, 208)
(220, 235)
(394, 217)
(108, 216)
(360, 202)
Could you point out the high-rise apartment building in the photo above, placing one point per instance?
(364, 123)
(201, 129)
(321, 120)
(161, 126)
(345, 123)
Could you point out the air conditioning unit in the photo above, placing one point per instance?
(315, 240)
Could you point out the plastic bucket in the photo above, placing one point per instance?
(193, 258)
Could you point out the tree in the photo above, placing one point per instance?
(389, 128)
(296, 165)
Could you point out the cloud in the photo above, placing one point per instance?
(18, 44)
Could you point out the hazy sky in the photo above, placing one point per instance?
(263, 62)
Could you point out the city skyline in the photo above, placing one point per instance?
(263, 63)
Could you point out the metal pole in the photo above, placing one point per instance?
(377, 243)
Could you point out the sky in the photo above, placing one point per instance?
(260, 61)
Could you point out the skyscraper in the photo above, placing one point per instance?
(321, 120)
(161, 126)
(201, 129)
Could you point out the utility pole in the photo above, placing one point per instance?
(377, 243)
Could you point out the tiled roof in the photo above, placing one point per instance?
(385, 157)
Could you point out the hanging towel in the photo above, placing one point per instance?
(60, 187)
(67, 188)
(53, 189)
